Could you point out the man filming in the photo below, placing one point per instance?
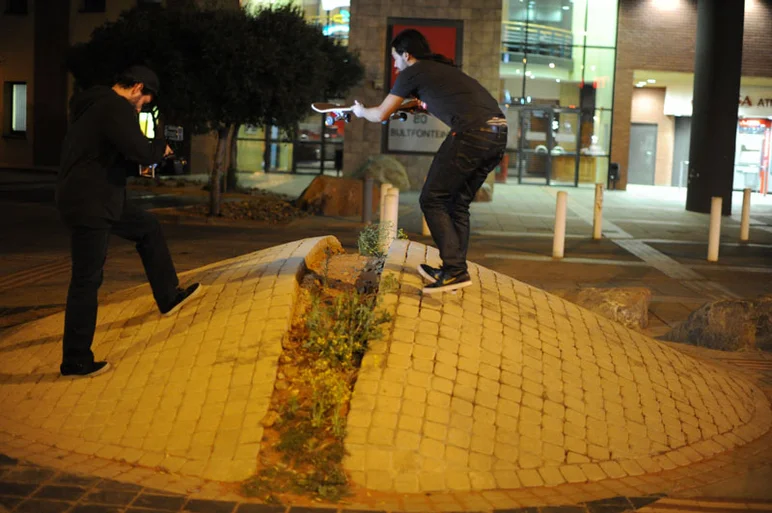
(104, 144)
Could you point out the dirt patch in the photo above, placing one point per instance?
(266, 206)
(302, 448)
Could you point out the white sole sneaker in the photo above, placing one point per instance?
(181, 303)
(104, 369)
(452, 288)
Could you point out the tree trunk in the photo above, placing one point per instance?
(234, 152)
(267, 152)
(219, 163)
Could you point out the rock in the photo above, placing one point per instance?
(384, 169)
(728, 325)
(270, 418)
(485, 194)
(332, 196)
(628, 306)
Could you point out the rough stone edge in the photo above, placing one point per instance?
(41, 447)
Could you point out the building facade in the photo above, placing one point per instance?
(584, 83)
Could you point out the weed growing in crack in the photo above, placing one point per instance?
(325, 351)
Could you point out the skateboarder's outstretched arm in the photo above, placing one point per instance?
(380, 113)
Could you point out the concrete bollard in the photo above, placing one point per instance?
(714, 236)
(367, 200)
(384, 189)
(425, 227)
(390, 216)
(745, 221)
(559, 242)
(597, 217)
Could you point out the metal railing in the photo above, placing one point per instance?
(519, 37)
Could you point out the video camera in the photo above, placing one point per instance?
(171, 164)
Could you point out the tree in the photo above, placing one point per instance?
(220, 68)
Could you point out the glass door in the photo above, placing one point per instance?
(534, 159)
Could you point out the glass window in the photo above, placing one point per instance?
(601, 22)
(18, 107)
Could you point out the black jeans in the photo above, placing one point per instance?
(457, 172)
(88, 246)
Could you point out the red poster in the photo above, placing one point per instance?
(442, 40)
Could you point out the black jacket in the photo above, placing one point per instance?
(103, 144)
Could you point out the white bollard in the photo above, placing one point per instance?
(390, 216)
(425, 227)
(745, 222)
(597, 218)
(714, 235)
(559, 242)
(384, 189)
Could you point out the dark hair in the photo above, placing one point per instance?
(414, 43)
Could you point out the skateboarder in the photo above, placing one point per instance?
(474, 146)
(103, 144)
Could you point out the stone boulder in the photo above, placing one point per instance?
(332, 196)
(628, 306)
(728, 325)
(384, 169)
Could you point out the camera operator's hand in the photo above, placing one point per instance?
(169, 152)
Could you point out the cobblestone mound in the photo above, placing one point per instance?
(506, 386)
(188, 391)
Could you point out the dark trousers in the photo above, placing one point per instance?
(457, 172)
(88, 246)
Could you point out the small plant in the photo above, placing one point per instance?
(371, 241)
(389, 283)
(326, 266)
(339, 331)
(402, 234)
(330, 393)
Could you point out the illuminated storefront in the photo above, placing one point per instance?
(557, 72)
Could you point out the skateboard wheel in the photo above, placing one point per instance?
(329, 121)
(347, 117)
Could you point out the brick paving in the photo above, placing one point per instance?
(499, 397)
(188, 391)
(505, 386)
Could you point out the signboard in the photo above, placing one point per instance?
(173, 133)
(420, 133)
(753, 101)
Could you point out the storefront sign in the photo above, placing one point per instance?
(420, 133)
(753, 101)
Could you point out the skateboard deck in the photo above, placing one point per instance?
(336, 112)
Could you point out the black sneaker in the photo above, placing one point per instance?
(429, 273)
(84, 370)
(183, 296)
(448, 283)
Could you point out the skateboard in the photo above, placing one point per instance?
(337, 112)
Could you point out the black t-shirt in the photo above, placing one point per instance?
(450, 95)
